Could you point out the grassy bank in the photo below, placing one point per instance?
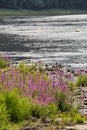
(38, 97)
(4, 12)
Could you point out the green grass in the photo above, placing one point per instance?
(5, 12)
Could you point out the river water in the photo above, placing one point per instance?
(50, 39)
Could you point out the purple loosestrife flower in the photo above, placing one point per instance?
(6, 57)
(83, 97)
(50, 99)
(2, 77)
(79, 72)
(35, 86)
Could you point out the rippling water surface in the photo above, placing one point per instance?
(51, 39)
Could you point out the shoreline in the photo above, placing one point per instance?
(48, 12)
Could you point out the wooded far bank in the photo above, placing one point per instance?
(43, 4)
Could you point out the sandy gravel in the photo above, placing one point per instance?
(77, 127)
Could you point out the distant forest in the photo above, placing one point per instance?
(43, 4)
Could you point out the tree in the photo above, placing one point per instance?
(15, 3)
(20, 3)
(33, 4)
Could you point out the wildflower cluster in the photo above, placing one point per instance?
(38, 86)
(30, 90)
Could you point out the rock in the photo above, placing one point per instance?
(30, 128)
(34, 119)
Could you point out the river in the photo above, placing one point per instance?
(50, 39)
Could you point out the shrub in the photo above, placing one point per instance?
(4, 117)
(42, 112)
(81, 80)
(23, 68)
(3, 61)
(62, 101)
(78, 119)
(27, 69)
(66, 118)
(37, 110)
(51, 109)
(30, 69)
(17, 107)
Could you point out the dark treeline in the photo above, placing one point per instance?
(43, 4)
